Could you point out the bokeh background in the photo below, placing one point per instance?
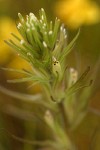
(19, 116)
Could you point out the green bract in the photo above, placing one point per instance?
(43, 43)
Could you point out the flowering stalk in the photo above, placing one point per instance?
(44, 46)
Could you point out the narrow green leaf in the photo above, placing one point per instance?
(16, 70)
(43, 17)
(31, 39)
(15, 36)
(68, 49)
(79, 83)
(22, 32)
(36, 38)
(55, 31)
(31, 78)
(20, 80)
(21, 96)
(74, 90)
(21, 18)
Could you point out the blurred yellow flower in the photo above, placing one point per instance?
(78, 12)
(19, 63)
(6, 26)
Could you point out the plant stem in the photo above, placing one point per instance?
(64, 115)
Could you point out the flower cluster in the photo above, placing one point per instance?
(44, 47)
(41, 40)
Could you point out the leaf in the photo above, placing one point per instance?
(17, 48)
(68, 49)
(17, 70)
(79, 83)
(55, 31)
(31, 78)
(45, 143)
(15, 36)
(74, 90)
(21, 19)
(20, 80)
(21, 96)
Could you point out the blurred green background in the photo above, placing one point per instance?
(19, 117)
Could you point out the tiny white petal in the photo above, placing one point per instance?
(22, 42)
(43, 27)
(45, 32)
(28, 25)
(22, 20)
(28, 54)
(32, 17)
(27, 17)
(64, 30)
(31, 14)
(28, 30)
(42, 17)
(44, 24)
(50, 32)
(65, 36)
(19, 26)
(74, 74)
(44, 44)
(42, 9)
(40, 21)
(54, 59)
(33, 28)
(61, 28)
(72, 70)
